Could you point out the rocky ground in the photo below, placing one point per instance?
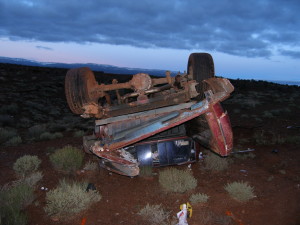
(264, 116)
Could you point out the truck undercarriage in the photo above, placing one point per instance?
(134, 120)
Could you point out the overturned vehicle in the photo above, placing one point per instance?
(153, 121)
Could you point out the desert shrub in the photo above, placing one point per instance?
(58, 135)
(6, 134)
(268, 115)
(36, 131)
(67, 158)
(154, 214)
(33, 178)
(199, 198)
(146, 171)
(26, 165)
(36, 106)
(244, 156)
(78, 133)
(10, 109)
(259, 120)
(242, 141)
(24, 122)
(240, 191)
(12, 202)
(10, 207)
(244, 116)
(277, 139)
(261, 138)
(50, 136)
(293, 140)
(57, 126)
(39, 117)
(237, 111)
(12, 216)
(46, 136)
(6, 120)
(270, 138)
(176, 180)
(208, 217)
(20, 195)
(90, 166)
(215, 163)
(15, 141)
(54, 112)
(69, 198)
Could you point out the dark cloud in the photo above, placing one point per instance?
(244, 28)
(291, 53)
(44, 47)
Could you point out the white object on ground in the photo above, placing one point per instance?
(182, 216)
(201, 155)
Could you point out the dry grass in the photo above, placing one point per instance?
(199, 198)
(215, 163)
(240, 191)
(175, 180)
(67, 159)
(26, 165)
(13, 200)
(208, 217)
(6, 134)
(69, 198)
(154, 214)
(90, 166)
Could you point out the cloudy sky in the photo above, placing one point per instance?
(257, 39)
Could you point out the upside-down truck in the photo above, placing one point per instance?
(153, 121)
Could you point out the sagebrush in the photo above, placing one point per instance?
(13, 200)
(240, 191)
(6, 134)
(26, 164)
(78, 133)
(215, 163)
(15, 141)
(67, 158)
(154, 214)
(50, 136)
(35, 131)
(199, 198)
(146, 171)
(176, 180)
(90, 166)
(33, 178)
(69, 198)
(207, 217)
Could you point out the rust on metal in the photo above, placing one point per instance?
(130, 132)
(150, 106)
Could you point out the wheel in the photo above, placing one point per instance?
(201, 67)
(78, 83)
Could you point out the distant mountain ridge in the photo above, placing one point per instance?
(107, 68)
(92, 66)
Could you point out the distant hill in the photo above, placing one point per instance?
(107, 68)
(92, 66)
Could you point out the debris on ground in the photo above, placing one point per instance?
(182, 216)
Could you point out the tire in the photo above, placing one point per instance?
(201, 67)
(78, 83)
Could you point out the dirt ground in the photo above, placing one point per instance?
(274, 172)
